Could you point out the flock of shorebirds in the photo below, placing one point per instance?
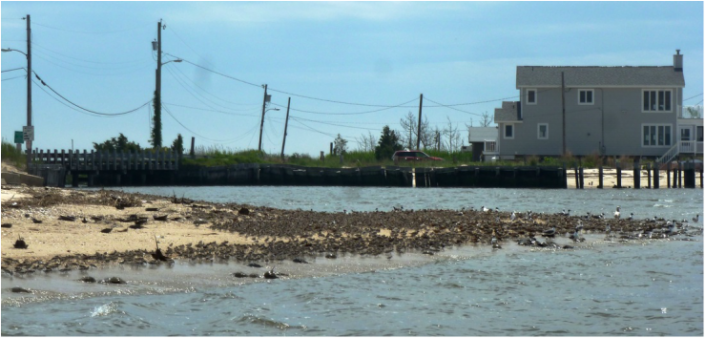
(276, 235)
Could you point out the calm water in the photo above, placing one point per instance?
(642, 289)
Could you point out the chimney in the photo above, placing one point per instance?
(678, 61)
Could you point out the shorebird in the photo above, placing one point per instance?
(579, 227)
(631, 216)
(514, 216)
(696, 218)
(616, 213)
(483, 209)
(550, 232)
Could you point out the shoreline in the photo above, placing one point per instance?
(207, 232)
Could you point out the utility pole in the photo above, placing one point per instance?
(563, 104)
(418, 127)
(266, 99)
(286, 124)
(29, 92)
(157, 127)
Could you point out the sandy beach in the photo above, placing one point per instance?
(591, 178)
(69, 229)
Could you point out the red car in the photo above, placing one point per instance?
(413, 155)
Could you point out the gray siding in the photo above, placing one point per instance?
(623, 121)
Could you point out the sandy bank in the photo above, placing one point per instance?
(69, 229)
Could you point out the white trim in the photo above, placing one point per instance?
(510, 121)
(504, 131)
(592, 97)
(536, 96)
(538, 130)
(641, 140)
(657, 90)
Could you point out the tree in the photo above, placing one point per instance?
(409, 134)
(340, 145)
(366, 142)
(121, 143)
(156, 137)
(486, 120)
(388, 144)
(178, 145)
(453, 135)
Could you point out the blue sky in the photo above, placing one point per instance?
(369, 55)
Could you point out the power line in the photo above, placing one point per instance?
(330, 124)
(13, 69)
(87, 32)
(89, 61)
(357, 113)
(14, 77)
(213, 95)
(195, 133)
(692, 97)
(327, 100)
(213, 110)
(62, 102)
(88, 110)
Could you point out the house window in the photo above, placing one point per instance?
(656, 135)
(543, 131)
(585, 96)
(656, 100)
(531, 96)
(509, 131)
(699, 133)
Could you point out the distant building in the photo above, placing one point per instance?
(483, 141)
(611, 111)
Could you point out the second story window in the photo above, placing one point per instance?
(585, 96)
(657, 100)
(531, 96)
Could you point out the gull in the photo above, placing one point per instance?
(631, 216)
(514, 216)
(616, 213)
(550, 232)
(483, 209)
(696, 218)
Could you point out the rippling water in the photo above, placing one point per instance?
(650, 288)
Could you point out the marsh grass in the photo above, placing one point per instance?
(12, 156)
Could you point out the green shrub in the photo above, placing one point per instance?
(12, 156)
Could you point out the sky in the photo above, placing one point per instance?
(349, 68)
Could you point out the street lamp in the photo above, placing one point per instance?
(30, 135)
(261, 126)
(177, 60)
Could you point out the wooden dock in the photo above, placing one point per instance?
(132, 168)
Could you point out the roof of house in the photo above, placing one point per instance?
(541, 76)
(482, 134)
(508, 112)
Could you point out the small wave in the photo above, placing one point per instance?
(104, 310)
(268, 322)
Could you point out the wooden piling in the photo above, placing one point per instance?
(577, 180)
(600, 178)
(657, 176)
(619, 175)
(648, 175)
(637, 175)
(582, 178)
(680, 174)
(668, 176)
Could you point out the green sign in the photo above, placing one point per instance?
(19, 137)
